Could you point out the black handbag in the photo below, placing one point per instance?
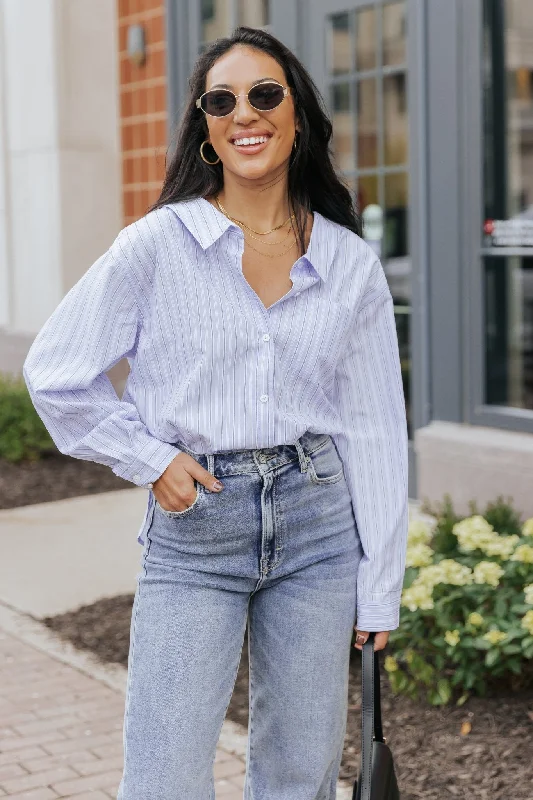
(377, 779)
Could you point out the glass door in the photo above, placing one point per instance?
(508, 203)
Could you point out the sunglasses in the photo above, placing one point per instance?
(263, 97)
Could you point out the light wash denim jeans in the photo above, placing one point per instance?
(279, 547)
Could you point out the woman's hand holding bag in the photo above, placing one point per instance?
(377, 778)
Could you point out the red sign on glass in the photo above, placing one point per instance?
(517, 232)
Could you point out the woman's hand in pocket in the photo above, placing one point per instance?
(174, 490)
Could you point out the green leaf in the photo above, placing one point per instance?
(528, 651)
(512, 649)
(519, 608)
(492, 657)
(434, 698)
(464, 697)
(444, 690)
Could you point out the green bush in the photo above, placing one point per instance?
(23, 435)
(466, 622)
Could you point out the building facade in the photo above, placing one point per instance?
(432, 106)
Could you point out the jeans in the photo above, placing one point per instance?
(277, 547)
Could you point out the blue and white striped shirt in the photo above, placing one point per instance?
(212, 366)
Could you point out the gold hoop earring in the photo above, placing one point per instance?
(206, 141)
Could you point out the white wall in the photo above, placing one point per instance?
(4, 246)
(60, 178)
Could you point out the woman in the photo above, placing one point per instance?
(264, 412)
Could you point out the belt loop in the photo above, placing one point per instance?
(302, 457)
(211, 463)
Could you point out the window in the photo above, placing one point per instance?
(508, 203)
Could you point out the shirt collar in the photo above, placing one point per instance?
(207, 224)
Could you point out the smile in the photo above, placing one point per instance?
(251, 144)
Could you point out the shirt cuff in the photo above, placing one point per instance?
(149, 464)
(379, 612)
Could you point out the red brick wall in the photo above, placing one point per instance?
(143, 107)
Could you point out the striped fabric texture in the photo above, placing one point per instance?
(212, 366)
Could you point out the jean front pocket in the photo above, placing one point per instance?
(325, 464)
(185, 511)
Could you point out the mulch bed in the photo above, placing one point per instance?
(433, 760)
(55, 477)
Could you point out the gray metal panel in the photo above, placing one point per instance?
(418, 224)
(284, 23)
(471, 99)
(444, 214)
(181, 50)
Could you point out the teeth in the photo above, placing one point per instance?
(251, 140)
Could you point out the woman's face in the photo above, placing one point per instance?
(238, 70)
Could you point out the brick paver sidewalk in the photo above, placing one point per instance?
(61, 731)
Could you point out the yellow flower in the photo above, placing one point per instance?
(455, 573)
(528, 591)
(409, 655)
(452, 637)
(416, 597)
(390, 664)
(527, 622)
(429, 576)
(475, 619)
(473, 533)
(418, 555)
(495, 636)
(527, 527)
(501, 546)
(488, 572)
(523, 553)
(419, 532)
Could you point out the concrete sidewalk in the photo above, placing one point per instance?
(57, 556)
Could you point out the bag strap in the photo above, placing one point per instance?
(371, 712)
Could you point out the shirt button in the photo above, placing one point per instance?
(136, 477)
(264, 398)
(297, 293)
(266, 337)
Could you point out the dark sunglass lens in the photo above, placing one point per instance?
(266, 96)
(218, 103)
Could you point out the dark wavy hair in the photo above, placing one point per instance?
(312, 181)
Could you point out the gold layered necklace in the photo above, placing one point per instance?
(250, 231)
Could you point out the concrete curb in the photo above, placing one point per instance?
(233, 737)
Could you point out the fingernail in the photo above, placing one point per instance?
(217, 486)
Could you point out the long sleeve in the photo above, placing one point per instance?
(374, 451)
(96, 324)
